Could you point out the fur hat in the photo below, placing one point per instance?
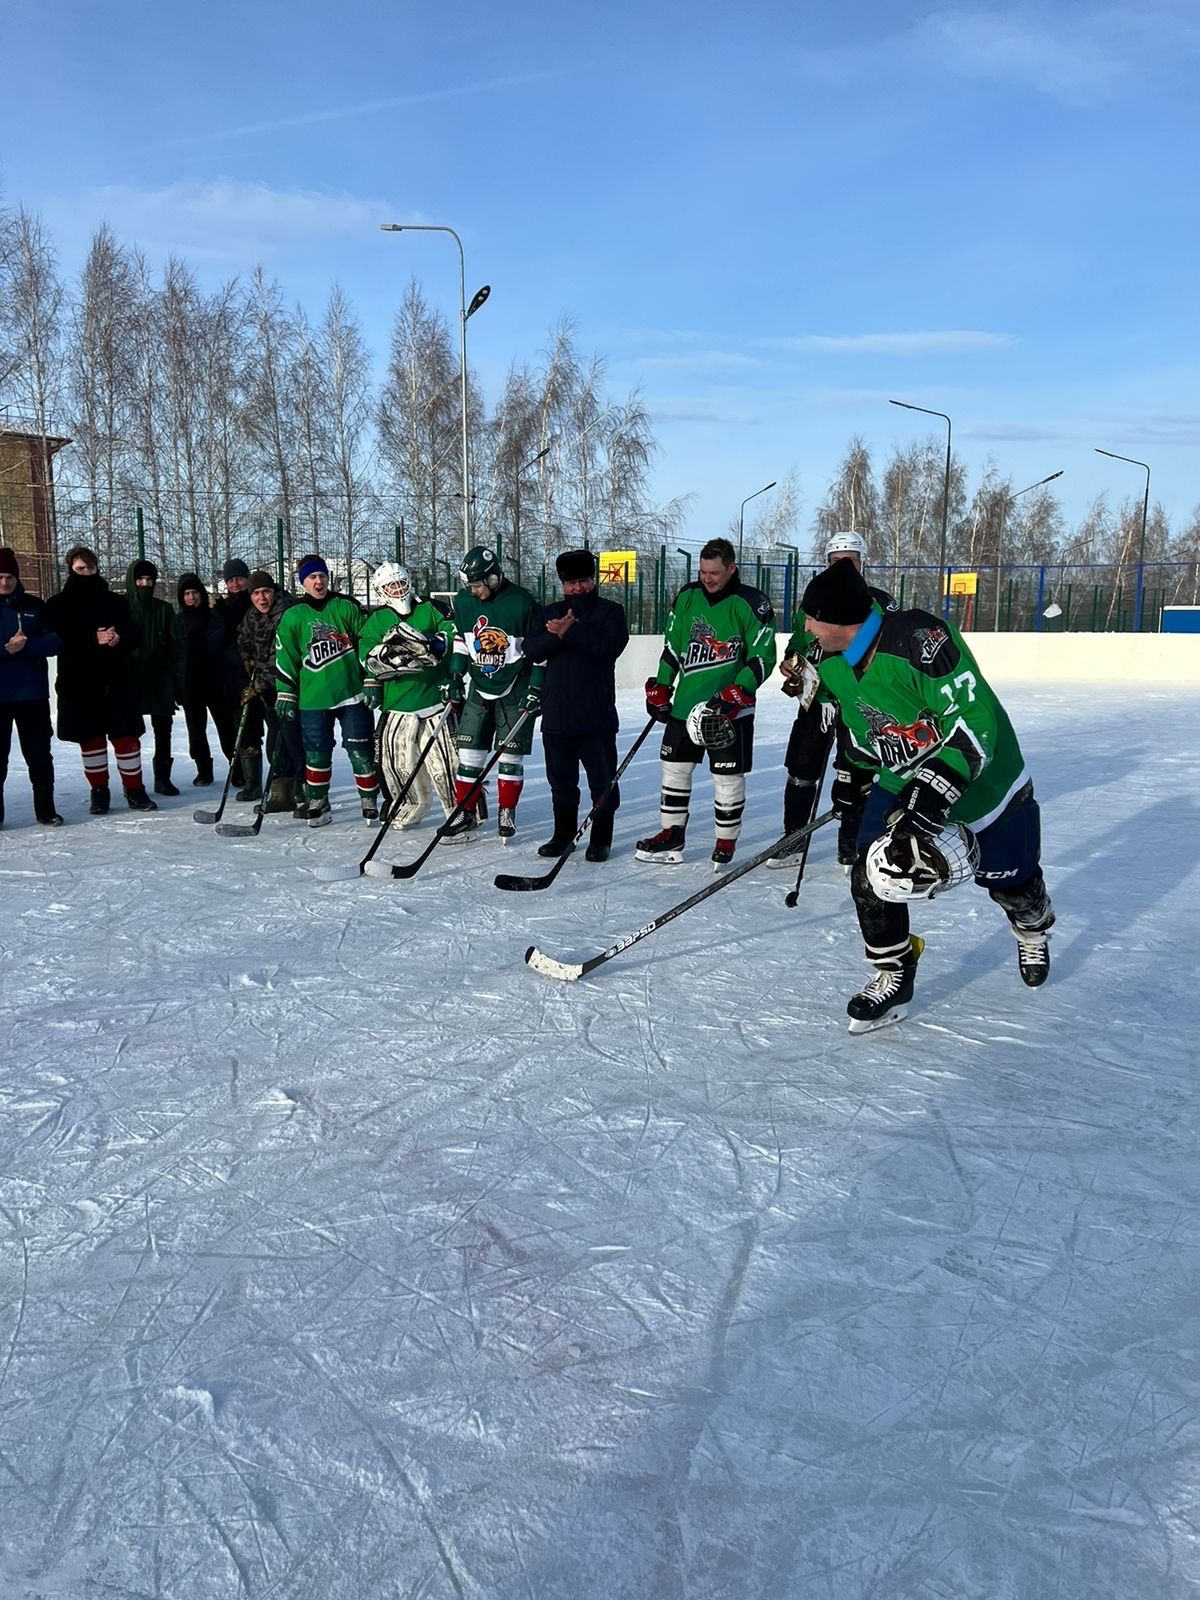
(576, 566)
(838, 595)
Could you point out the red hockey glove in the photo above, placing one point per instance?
(658, 700)
(731, 701)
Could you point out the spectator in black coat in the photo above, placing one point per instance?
(228, 614)
(579, 638)
(25, 644)
(99, 700)
(199, 681)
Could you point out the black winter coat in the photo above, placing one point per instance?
(97, 685)
(197, 673)
(580, 692)
(158, 651)
(227, 615)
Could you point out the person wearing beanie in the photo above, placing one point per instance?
(26, 643)
(157, 664)
(718, 651)
(816, 729)
(948, 795)
(228, 613)
(579, 639)
(318, 681)
(198, 678)
(98, 690)
(404, 649)
(285, 753)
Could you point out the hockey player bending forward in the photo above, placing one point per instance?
(405, 649)
(492, 683)
(933, 749)
(718, 650)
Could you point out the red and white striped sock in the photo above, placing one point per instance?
(95, 763)
(128, 752)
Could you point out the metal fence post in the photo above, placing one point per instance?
(141, 535)
(279, 551)
(1037, 620)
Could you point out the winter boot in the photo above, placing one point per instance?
(162, 776)
(665, 846)
(600, 842)
(282, 795)
(1033, 955)
(886, 997)
(204, 774)
(252, 770)
(566, 826)
(138, 800)
(43, 806)
(100, 801)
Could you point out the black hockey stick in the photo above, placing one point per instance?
(571, 971)
(215, 816)
(251, 830)
(510, 881)
(338, 874)
(381, 869)
(793, 895)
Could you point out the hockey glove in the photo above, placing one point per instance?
(533, 701)
(285, 706)
(437, 645)
(250, 692)
(658, 700)
(372, 695)
(851, 786)
(456, 694)
(732, 702)
(926, 801)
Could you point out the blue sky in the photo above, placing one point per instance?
(771, 217)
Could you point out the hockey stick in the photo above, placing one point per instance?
(210, 817)
(381, 869)
(511, 881)
(338, 874)
(571, 971)
(793, 894)
(251, 830)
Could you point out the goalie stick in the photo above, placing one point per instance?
(337, 874)
(512, 881)
(572, 971)
(381, 869)
(209, 817)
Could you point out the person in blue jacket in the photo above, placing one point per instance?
(25, 644)
(579, 638)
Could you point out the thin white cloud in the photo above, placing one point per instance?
(936, 342)
(702, 361)
(225, 209)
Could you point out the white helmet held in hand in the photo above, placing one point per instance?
(711, 730)
(391, 585)
(917, 868)
(846, 543)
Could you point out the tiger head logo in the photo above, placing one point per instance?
(491, 646)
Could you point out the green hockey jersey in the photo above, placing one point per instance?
(415, 691)
(316, 652)
(487, 641)
(713, 641)
(921, 692)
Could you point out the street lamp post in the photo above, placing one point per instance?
(465, 312)
(521, 470)
(1007, 501)
(945, 498)
(1141, 578)
(742, 515)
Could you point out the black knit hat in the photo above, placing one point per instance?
(576, 566)
(261, 580)
(838, 595)
(8, 561)
(234, 568)
(144, 569)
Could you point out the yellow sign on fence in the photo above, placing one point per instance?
(617, 565)
(964, 583)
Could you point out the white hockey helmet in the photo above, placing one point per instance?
(391, 585)
(933, 865)
(845, 543)
(711, 730)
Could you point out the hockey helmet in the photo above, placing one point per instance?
(925, 868)
(391, 585)
(711, 730)
(481, 565)
(846, 543)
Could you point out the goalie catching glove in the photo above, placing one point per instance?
(404, 650)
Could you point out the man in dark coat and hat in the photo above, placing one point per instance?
(25, 644)
(157, 659)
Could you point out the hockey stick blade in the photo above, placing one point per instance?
(338, 874)
(506, 880)
(208, 817)
(564, 971)
(239, 830)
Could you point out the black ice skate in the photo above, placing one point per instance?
(665, 846)
(1033, 955)
(370, 811)
(885, 999)
(320, 813)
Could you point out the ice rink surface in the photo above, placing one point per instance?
(342, 1257)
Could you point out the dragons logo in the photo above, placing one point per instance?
(706, 650)
(326, 644)
(898, 743)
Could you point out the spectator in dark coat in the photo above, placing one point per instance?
(256, 637)
(228, 613)
(25, 644)
(579, 638)
(97, 684)
(157, 659)
(198, 680)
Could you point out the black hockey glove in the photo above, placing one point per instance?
(926, 801)
(851, 786)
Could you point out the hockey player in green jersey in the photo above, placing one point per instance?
(494, 683)
(948, 795)
(718, 650)
(404, 649)
(318, 676)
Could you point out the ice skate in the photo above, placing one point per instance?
(1033, 956)
(723, 853)
(885, 998)
(666, 846)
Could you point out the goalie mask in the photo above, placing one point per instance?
(711, 730)
(392, 586)
(913, 867)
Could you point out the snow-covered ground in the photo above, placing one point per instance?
(343, 1257)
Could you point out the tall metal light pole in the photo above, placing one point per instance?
(521, 470)
(1141, 583)
(742, 515)
(942, 584)
(465, 312)
(1008, 500)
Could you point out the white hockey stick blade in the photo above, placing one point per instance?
(564, 971)
(377, 869)
(339, 874)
